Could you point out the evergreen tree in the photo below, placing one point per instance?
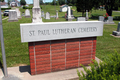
(22, 2)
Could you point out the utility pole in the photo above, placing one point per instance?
(2, 46)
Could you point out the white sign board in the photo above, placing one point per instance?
(60, 30)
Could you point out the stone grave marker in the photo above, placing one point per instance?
(36, 12)
(87, 15)
(18, 13)
(12, 16)
(27, 13)
(42, 14)
(47, 16)
(110, 18)
(69, 17)
(117, 33)
(81, 19)
(109, 21)
(101, 18)
(57, 15)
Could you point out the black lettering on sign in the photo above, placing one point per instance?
(43, 32)
(31, 33)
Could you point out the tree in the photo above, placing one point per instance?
(1, 0)
(83, 5)
(61, 2)
(41, 2)
(22, 2)
(9, 1)
(109, 5)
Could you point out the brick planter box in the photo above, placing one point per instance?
(56, 55)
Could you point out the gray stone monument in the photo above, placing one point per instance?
(57, 15)
(36, 12)
(81, 19)
(117, 33)
(69, 17)
(18, 13)
(87, 15)
(27, 13)
(47, 16)
(101, 18)
(12, 16)
(109, 21)
(42, 14)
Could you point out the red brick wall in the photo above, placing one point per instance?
(56, 55)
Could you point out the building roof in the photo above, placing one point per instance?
(3, 3)
(64, 5)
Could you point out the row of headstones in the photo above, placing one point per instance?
(47, 15)
(14, 15)
(106, 21)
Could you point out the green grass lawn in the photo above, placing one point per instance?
(17, 52)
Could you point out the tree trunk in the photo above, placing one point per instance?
(82, 14)
(109, 12)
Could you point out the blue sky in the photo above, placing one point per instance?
(31, 1)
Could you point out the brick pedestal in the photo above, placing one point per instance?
(56, 55)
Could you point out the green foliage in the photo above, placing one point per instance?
(108, 70)
(5, 8)
(25, 7)
(22, 2)
(95, 16)
(1, 0)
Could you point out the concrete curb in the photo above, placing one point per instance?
(23, 73)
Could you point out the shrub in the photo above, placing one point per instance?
(95, 16)
(116, 17)
(108, 70)
(5, 8)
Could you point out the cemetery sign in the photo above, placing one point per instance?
(60, 30)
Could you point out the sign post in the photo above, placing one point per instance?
(2, 46)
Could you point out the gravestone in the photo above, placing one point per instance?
(47, 16)
(81, 19)
(117, 33)
(110, 18)
(12, 16)
(27, 13)
(109, 21)
(87, 15)
(36, 12)
(42, 14)
(18, 13)
(101, 18)
(69, 17)
(57, 15)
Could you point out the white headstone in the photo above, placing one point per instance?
(81, 19)
(36, 12)
(101, 18)
(12, 16)
(87, 15)
(18, 13)
(36, 4)
(69, 12)
(27, 13)
(57, 15)
(42, 14)
(47, 16)
(110, 18)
